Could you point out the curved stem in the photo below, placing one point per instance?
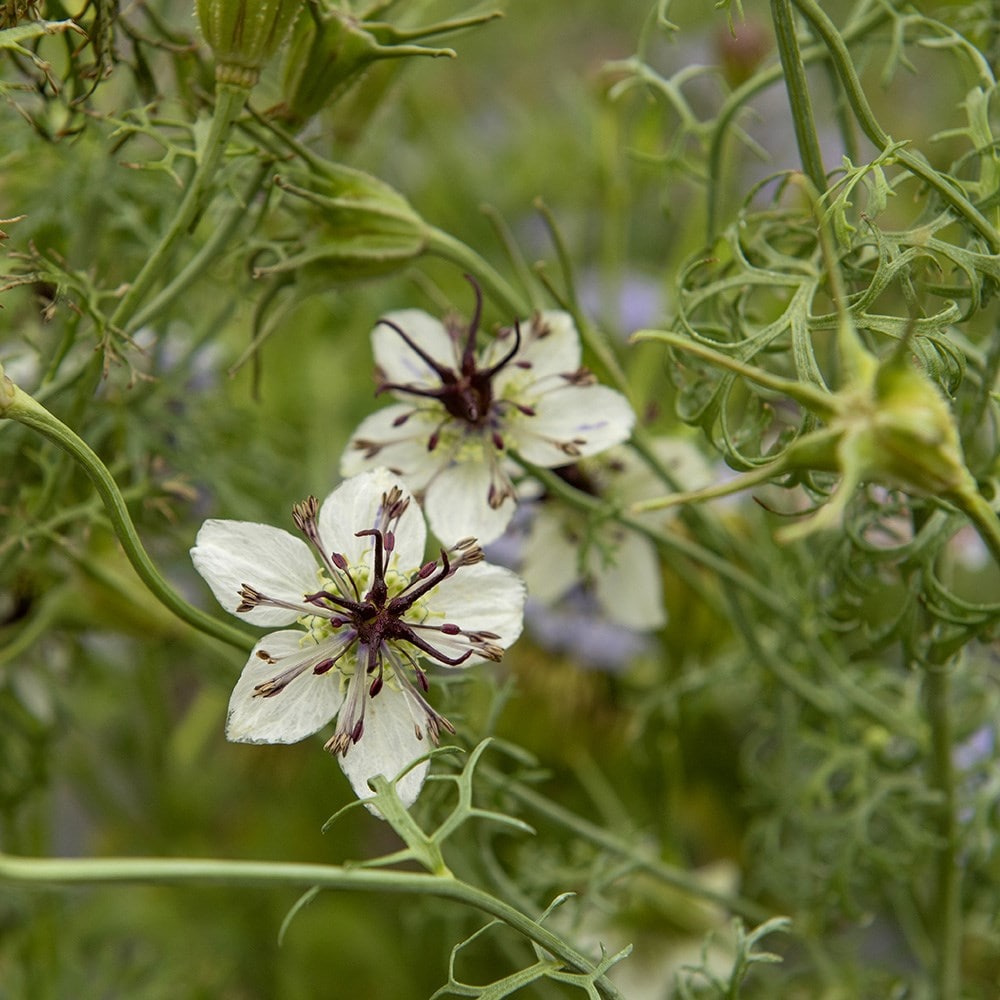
(54, 872)
(855, 94)
(743, 584)
(670, 542)
(761, 81)
(545, 806)
(18, 405)
(229, 103)
(494, 284)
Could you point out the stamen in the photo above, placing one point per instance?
(467, 552)
(418, 706)
(369, 447)
(278, 683)
(253, 598)
(582, 376)
(351, 720)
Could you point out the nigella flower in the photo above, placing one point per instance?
(461, 411)
(370, 612)
(620, 567)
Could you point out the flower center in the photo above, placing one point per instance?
(466, 390)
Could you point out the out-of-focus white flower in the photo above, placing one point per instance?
(620, 566)
(461, 411)
(369, 609)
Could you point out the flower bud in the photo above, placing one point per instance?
(330, 49)
(361, 227)
(244, 34)
(915, 432)
(325, 56)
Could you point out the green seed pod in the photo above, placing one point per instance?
(244, 34)
(365, 227)
(325, 56)
(331, 48)
(915, 431)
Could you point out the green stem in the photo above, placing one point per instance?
(946, 913)
(592, 337)
(855, 94)
(55, 872)
(545, 806)
(669, 542)
(744, 93)
(814, 399)
(18, 405)
(495, 285)
(743, 584)
(229, 103)
(799, 100)
(196, 266)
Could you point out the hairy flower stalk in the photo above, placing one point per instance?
(462, 409)
(370, 612)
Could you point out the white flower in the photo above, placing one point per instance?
(369, 609)
(461, 412)
(621, 566)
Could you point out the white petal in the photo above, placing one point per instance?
(307, 704)
(586, 418)
(229, 554)
(457, 504)
(402, 448)
(398, 361)
(629, 587)
(549, 344)
(551, 565)
(388, 744)
(354, 506)
(482, 597)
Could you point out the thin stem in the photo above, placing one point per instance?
(18, 405)
(229, 103)
(946, 912)
(196, 266)
(799, 99)
(55, 872)
(592, 336)
(744, 585)
(855, 94)
(761, 81)
(494, 284)
(670, 542)
(545, 806)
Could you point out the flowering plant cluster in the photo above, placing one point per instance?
(639, 370)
